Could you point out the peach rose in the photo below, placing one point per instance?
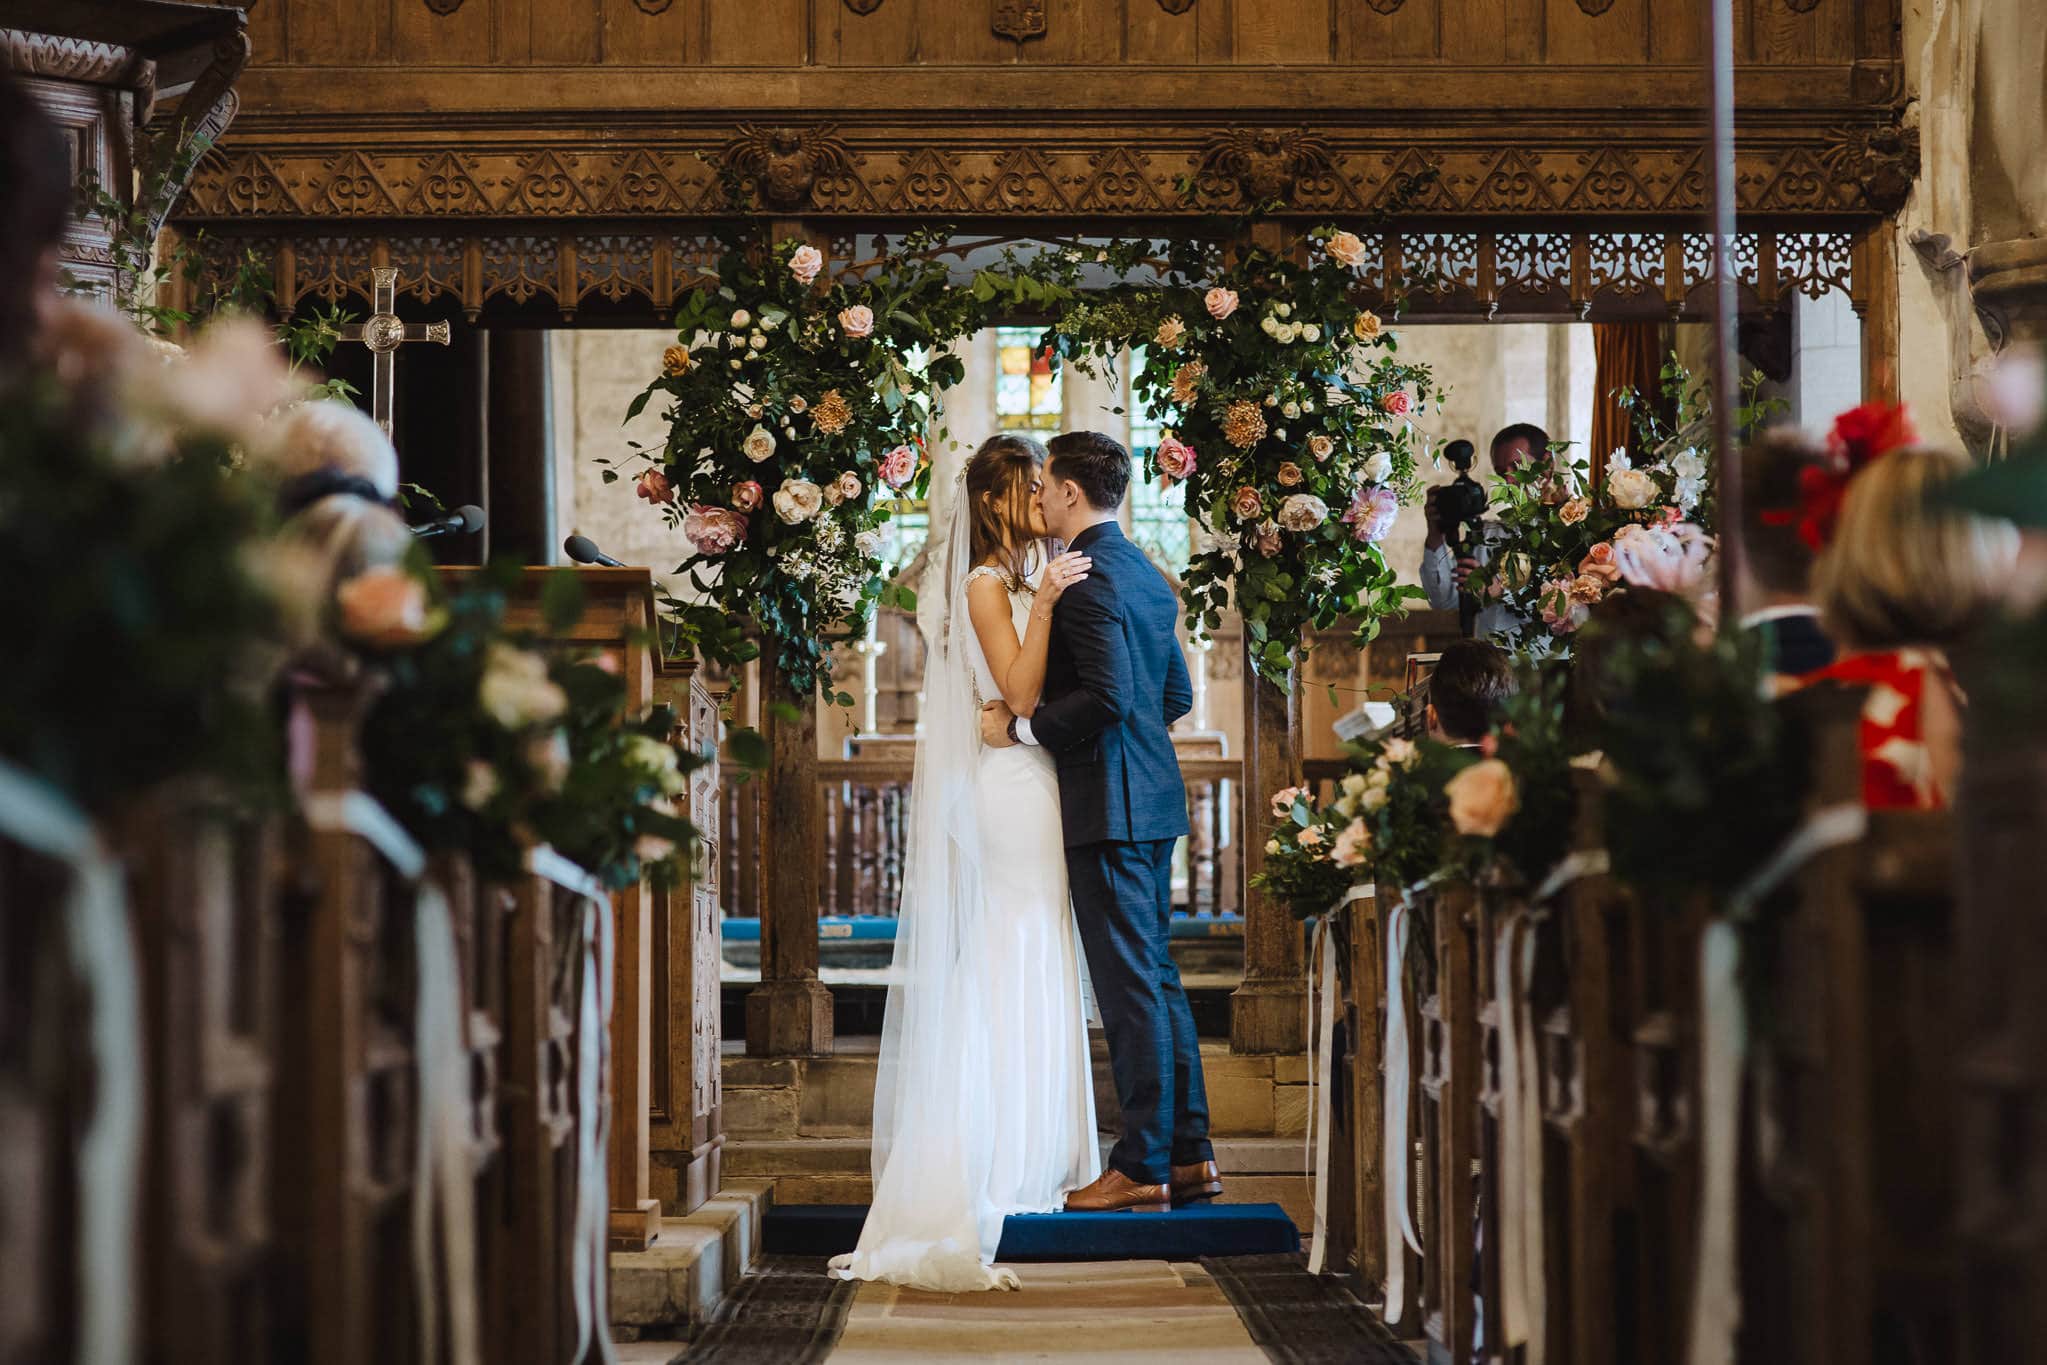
(857, 321)
(1246, 503)
(1290, 475)
(898, 467)
(1220, 302)
(1352, 845)
(384, 608)
(746, 495)
(804, 263)
(1483, 798)
(1320, 446)
(798, 500)
(1346, 250)
(1283, 801)
(675, 362)
(1176, 459)
(845, 488)
(654, 487)
(1366, 325)
(1311, 837)
(1574, 511)
(1171, 333)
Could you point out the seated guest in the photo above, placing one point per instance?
(1442, 578)
(1470, 683)
(1902, 578)
(1778, 586)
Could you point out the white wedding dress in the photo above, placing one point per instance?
(984, 1100)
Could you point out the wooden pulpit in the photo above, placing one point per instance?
(664, 1023)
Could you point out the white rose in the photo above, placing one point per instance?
(1687, 493)
(1630, 489)
(1310, 332)
(759, 444)
(1689, 464)
(756, 342)
(1286, 333)
(740, 319)
(1272, 847)
(1619, 459)
(1354, 784)
(1345, 806)
(1378, 468)
(868, 543)
(1290, 410)
(516, 690)
(798, 500)
(1285, 310)
(1374, 799)
(1270, 326)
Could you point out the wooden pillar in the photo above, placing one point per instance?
(1268, 1012)
(1875, 296)
(790, 1013)
(519, 462)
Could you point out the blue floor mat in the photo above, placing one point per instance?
(1183, 1235)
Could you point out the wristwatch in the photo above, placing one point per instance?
(1012, 731)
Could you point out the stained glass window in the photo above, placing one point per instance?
(1158, 516)
(1027, 393)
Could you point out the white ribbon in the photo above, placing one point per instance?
(1320, 1062)
(1394, 1158)
(442, 1193)
(593, 1067)
(102, 960)
(1586, 862)
(1723, 1032)
(1523, 1302)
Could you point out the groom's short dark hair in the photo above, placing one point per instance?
(1099, 464)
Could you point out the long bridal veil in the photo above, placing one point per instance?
(931, 1223)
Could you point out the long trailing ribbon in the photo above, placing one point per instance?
(1723, 1027)
(1523, 1305)
(593, 1066)
(442, 1192)
(1394, 1158)
(102, 959)
(1320, 1062)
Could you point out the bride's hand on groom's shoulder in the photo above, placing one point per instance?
(1061, 574)
(995, 718)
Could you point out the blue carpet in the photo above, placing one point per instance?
(1182, 1235)
(876, 928)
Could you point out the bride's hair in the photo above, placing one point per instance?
(998, 493)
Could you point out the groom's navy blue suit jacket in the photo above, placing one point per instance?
(1114, 682)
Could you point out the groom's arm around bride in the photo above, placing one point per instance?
(1114, 681)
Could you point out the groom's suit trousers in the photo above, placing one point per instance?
(1122, 898)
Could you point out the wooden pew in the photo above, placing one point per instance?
(1372, 927)
(1449, 1084)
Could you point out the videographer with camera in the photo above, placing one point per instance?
(1458, 540)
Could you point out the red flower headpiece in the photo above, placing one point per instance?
(1861, 436)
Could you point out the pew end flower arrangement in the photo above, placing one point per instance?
(1288, 418)
(796, 413)
(482, 742)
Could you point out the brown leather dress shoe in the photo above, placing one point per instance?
(1198, 1181)
(1115, 1192)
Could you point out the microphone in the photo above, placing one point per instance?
(466, 520)
(584, 550)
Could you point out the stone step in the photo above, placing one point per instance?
(670, 1290)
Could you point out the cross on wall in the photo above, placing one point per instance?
(383, 333)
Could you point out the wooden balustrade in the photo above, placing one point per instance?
(866, 810)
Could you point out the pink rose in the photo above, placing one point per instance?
(1352, 845)
(1560, 611)
(1396, 403)
(1220, 302)
(857, 321)
(747, 495)
(845, 488)
(713, 529)
(1268, 541)
(1246, 503)
(1289, 474)
(1283, 801)
(1482, 798)
(1372, 513)
(1346, 250)
(805, 262)
(898, 467)
(1176, 459)
(384, 608)
(1669, 558)
(654, 487)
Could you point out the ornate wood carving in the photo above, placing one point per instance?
(1882, 162)
(1263, 165)
(75, 59)
(783, 165)
(1017, 20)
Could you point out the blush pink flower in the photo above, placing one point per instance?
(1175, 458)
(747, 495)
(714, 530)
(1372, 513)
(898, 467)
(1311, 837)
(384, 608)
(1483, 798)
(1346, 250)
(1352, 846)
(1668, 558)
(1560, 612)
(1289, 475)
(1283, 801)
(1303, 512)
(1396, 403)
(845, 488)
(805, 262)
(1268, 541)
(857, 321)
(1246, 503)
(1220, 302)
(654, 487)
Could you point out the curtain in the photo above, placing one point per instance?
(1625, 355)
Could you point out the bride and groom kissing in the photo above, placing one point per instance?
(1045, 805)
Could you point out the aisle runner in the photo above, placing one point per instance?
(787, 1311)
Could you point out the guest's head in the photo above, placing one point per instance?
(1779, 560)
(35, 208)
(1469, 685)
(1618, 620)
(1002, 505)
(1512, 445)
(1904, 569)
(1086, 476)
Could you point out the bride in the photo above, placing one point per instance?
(984, 1101)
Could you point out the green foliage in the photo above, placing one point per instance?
(128, 585)
(1529, 739)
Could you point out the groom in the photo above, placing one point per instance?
(1114, 680)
